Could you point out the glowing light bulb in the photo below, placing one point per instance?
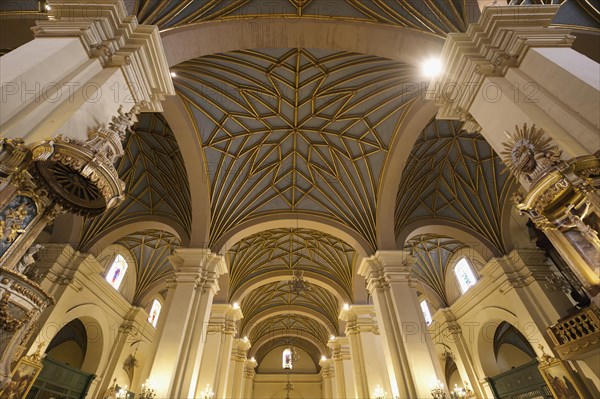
(432, 67)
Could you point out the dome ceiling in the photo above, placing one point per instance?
(295, 130)
(454, 176)
(156, 182)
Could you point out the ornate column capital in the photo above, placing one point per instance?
(199, 265)
(327, 369)
(386, 267)
(223, 318)
(107, 32)
(360, 319)
(249, 366)
(240, 349)
(497, 42)
(340, 348)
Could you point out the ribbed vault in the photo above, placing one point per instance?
(288, 328)
(290, 250)
(156, 182)
(309, 347)
(277, 297)
(151, 249)
(437, 17)
(295, 131)
(432, 253)
(454, 176)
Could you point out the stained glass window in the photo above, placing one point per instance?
(464, 274)
(426, 312)
(287, 359)
(154, 313)
(117, 272)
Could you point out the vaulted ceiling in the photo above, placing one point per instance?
(453, 176)
(435, 16)
(279, 252)
(432, 253)
(295, 130)
(149, 262)
(304, 131)
(155, 179)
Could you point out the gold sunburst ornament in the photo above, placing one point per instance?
(528, 153)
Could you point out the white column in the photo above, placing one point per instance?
(249, 373)
(68, 98)
(216, 359)
(236, 374)
(342, 366)
(328, 376)
(464, 360)
(128, 330)
(410, 356)
(511, 68)
(86, 60)
(366, 350)
(177, 361)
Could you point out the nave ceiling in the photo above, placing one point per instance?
(305, 131)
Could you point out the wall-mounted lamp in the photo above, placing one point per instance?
(207, 393)
(437, 391)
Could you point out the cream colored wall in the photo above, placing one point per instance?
(509, 289)
(267, 386)
(509, 356)
(113, 326)
(271, 363)
(69, 353)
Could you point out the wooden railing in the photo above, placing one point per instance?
(577, 334)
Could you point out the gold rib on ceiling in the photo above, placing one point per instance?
(295, 130)
(314, 352)
(290, 325)
(277, 296)
(155, 177)
(455, 176)
(436, 17)
(287, 249)
(151, 250)
(432, 253)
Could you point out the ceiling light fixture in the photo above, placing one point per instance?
(432, 67)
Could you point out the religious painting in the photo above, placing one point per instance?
(560, 380)
(22, 379)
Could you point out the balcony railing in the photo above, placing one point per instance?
(578, 334)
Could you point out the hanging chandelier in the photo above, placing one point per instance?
(297, 284)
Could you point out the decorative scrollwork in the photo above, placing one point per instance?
(80, 176)
(529, 154)
(7, 321)
(14, 219)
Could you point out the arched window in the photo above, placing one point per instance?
(426, 312)
(464, 274)
(154, 313)
(287, 359)
(117, 272)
